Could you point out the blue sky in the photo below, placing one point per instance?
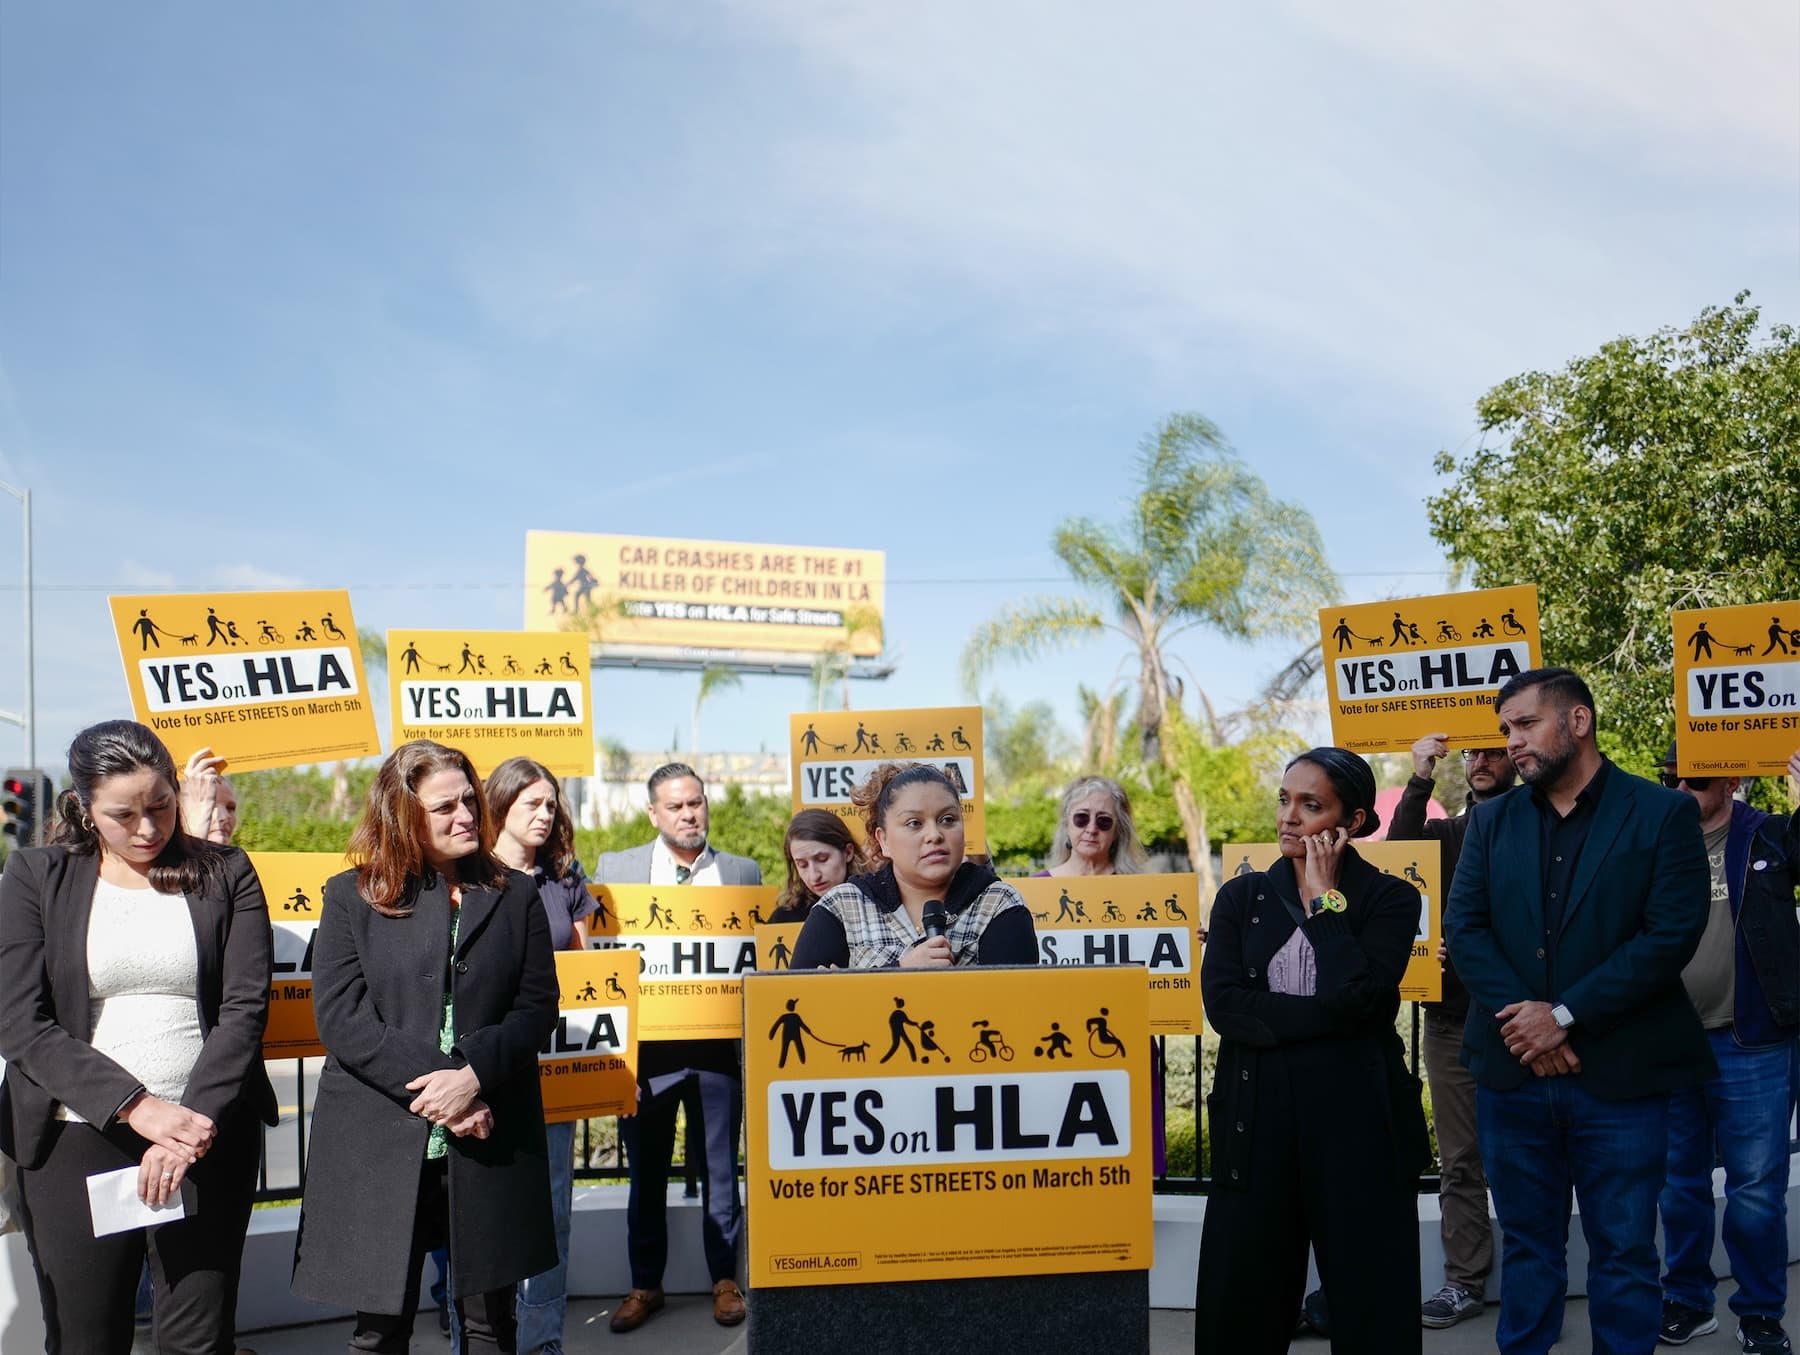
(345, 295)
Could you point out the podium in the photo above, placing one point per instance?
(944, 1159)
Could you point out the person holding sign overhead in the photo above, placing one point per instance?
(1318, 1132)
(704, 1072)
(537, 838)
(434, 989)
(134, 987)
(883, 919)
(821, 854)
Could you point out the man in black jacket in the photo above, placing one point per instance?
(1467, 1235)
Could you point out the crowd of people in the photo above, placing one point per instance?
(1621, 1001)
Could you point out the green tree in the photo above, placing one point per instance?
(1205, 545)
(1658, 473)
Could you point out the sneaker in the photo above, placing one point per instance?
(1448, 1306)
(1763, 1336)
(1681, 1324)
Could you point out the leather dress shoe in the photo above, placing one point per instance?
(728, 1303)
(635, 1309)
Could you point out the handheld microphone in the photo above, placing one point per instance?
(934, 919)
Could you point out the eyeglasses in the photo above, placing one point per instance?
(1104, 822)
(1477, 754)
(1673, 780)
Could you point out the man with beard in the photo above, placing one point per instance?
(1468, 1237)
(704, 1073)
(1745, 983)
(1574, 909)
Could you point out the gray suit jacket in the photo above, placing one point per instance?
(632, 867)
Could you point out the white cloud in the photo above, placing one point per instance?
(246, 575)
(135, 575)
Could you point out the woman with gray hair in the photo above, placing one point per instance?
(1094, 831)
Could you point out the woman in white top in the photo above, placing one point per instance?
(134, 972)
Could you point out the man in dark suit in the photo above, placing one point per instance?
(703, 1072)
(1578, 898)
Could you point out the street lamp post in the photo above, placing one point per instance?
(27, 721)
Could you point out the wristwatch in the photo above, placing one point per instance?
(1331, 901)
(1563, 1017)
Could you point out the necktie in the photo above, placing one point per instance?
(683, 875)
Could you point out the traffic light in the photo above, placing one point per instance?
(27, 799)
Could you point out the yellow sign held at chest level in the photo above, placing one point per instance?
(695, 942)
(294, 885)
(264, 679)
(588, 1065)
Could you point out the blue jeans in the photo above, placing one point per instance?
(1744, 1112)
(1541, 1141)
(543, 1299)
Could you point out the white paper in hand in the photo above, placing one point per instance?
(113, 1201)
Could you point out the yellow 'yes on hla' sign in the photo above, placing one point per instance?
(938, 1124)
(495, 695)
(1407, 667)
(1737, 689)
(588, 1065)
(833, 752)
(294, 885)
(264, 679)
(694, 942)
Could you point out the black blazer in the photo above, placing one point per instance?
(378, 993)
(1636, 908)
(46, 898)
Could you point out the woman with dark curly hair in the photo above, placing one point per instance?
(876, 920)
(434, 989)
(1317, 1129)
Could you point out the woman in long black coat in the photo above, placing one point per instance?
(434, 988)
(1318, 1135)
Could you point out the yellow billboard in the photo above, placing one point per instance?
(264, 679)
(588, 1065)
(1420, 864)
(294, 885)
(1147, 920)
(833, 751)
(1737, 689)
(670, 591)
(495, 694)
(694, 943)
(921, 1124)
(1406, 667)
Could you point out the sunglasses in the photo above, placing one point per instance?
(1104, 822)
(1673, 780)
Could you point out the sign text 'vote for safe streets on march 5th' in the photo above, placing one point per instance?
(1737, 689)
(832, 752)
(1145, 920)
(1420, 864)
(942, 1124)
(672, 592)
(1413, 666)
(695, 942)
(495, 694)
(264, 679)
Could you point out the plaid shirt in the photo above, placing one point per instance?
(876, 936)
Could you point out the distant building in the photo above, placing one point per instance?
(616, 789)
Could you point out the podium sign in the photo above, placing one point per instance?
(1420, 864)
(1147, 920)
(946, 1124)
(693, 942)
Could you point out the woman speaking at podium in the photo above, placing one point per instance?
(434, 988)
(877, 920)
(1317, 1131)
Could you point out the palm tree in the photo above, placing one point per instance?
(1205, 545)
(712, 679)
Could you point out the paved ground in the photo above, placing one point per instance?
(686, 1328)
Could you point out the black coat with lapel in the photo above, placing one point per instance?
(1637, 905)
(378, 988)
(46, 1018)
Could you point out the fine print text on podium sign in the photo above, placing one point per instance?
(1420, 864)
(589, 1064)
(1147, 920)
(694, 943)
(1409, 666)
(1737, 689)
(946, 1124)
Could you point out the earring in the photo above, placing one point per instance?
(87, 824)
